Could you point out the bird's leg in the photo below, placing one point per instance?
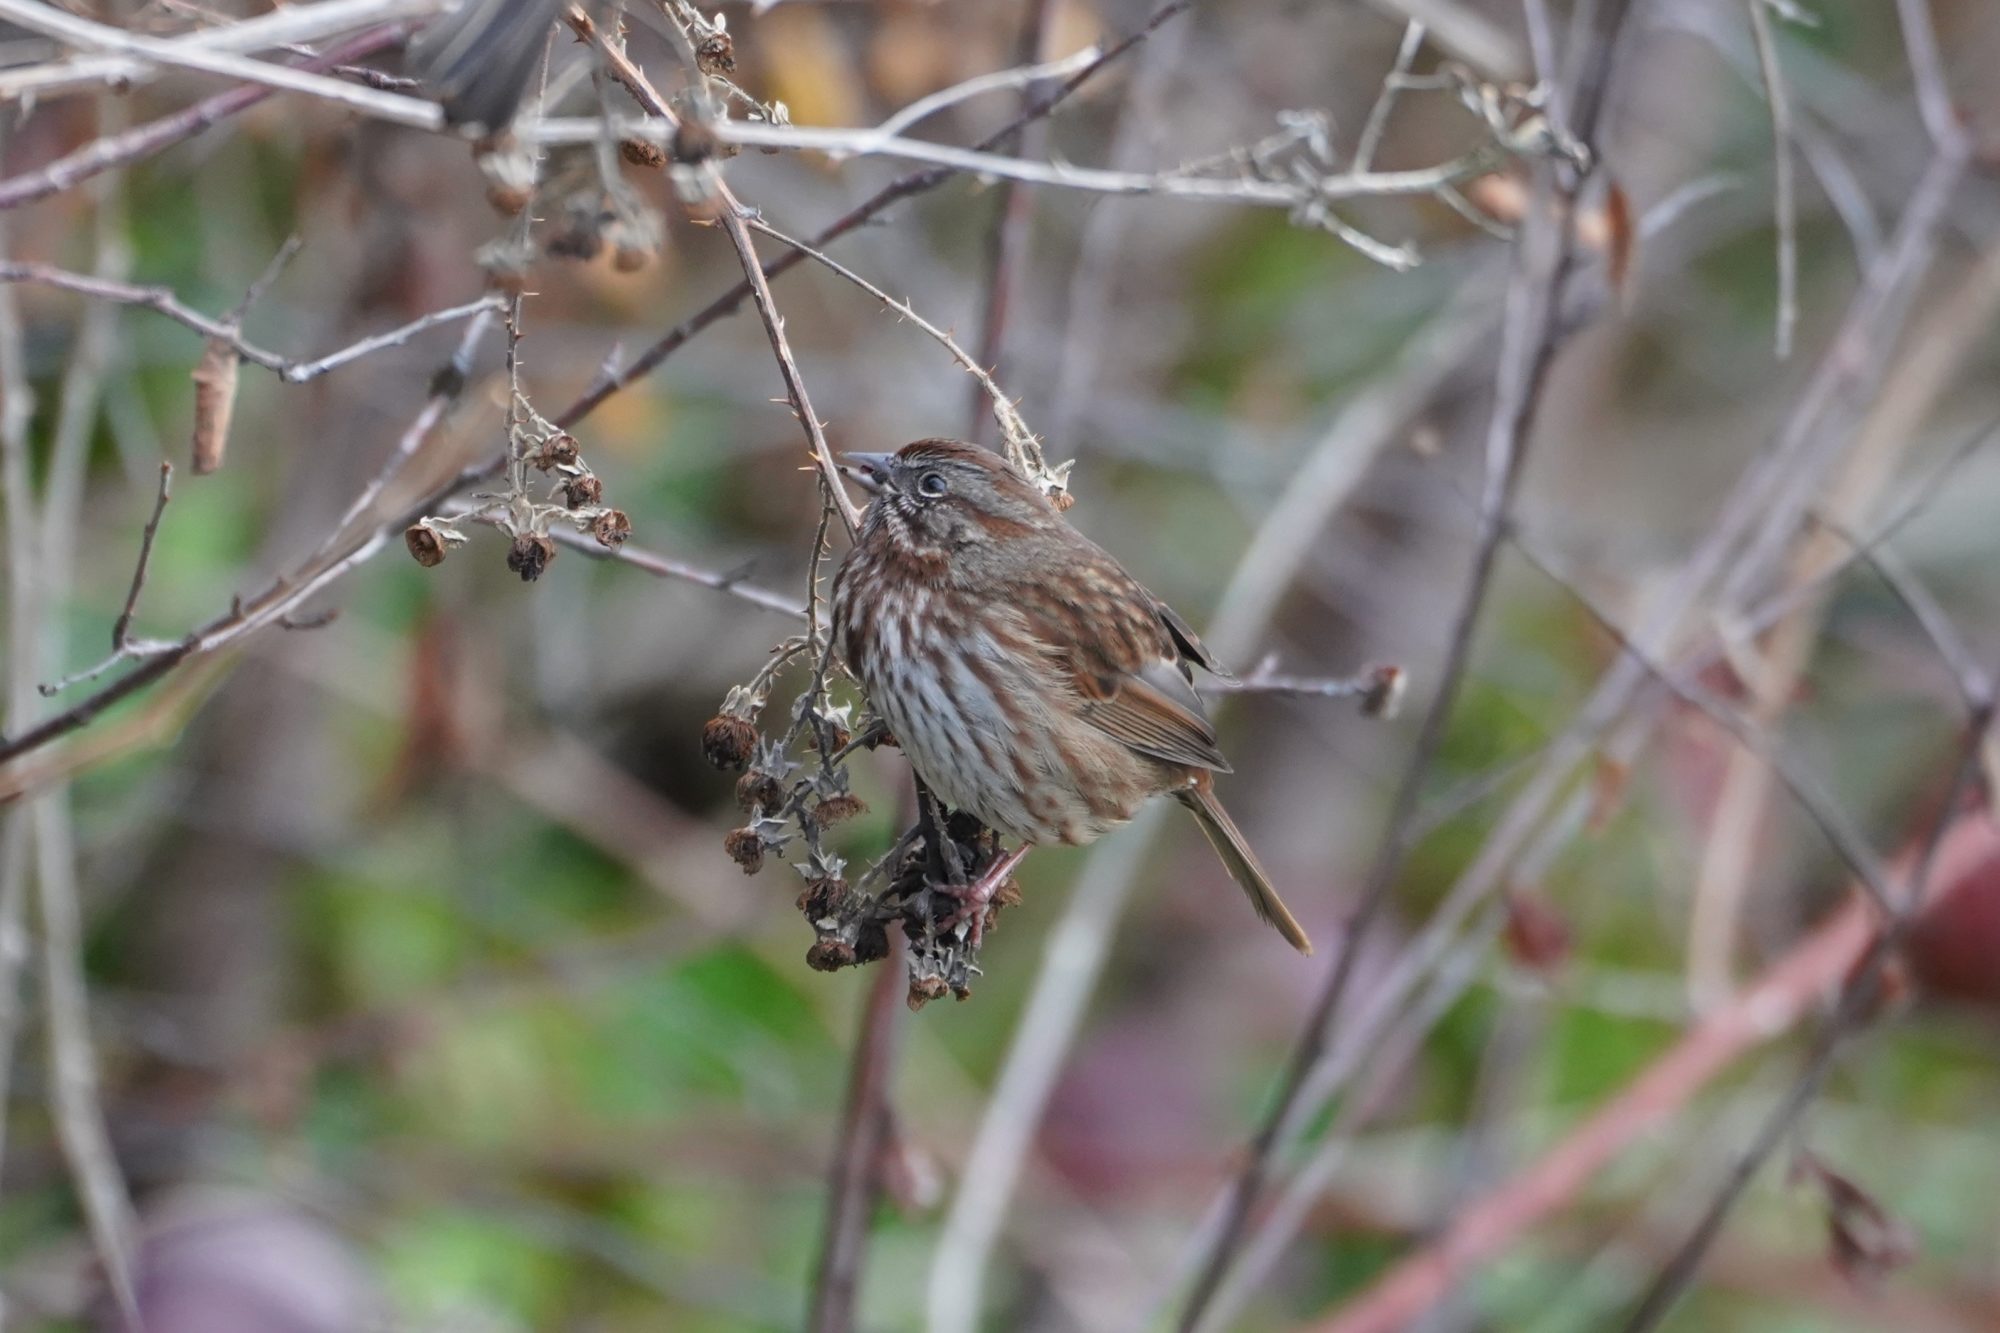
(973, 899)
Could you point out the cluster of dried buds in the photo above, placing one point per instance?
(575, 499)
(794, 787)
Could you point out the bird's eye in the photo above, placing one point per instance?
(932, 485)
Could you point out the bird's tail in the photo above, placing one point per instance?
(1241, 863)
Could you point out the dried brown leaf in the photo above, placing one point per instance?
(214, 403)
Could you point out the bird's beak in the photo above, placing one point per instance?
(868, 471)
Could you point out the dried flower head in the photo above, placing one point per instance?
(559, 450)
(825, 900)
(715, 54)
(426, 543)
(611, 529)
(756, 790)
(831, 811)
(530, 555)
(746, 848)
(924, 989)
(641, 153)
(582, 491)
(830, 953)
(727, 741)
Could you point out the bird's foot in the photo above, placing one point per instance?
(975, 900)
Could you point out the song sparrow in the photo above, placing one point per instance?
(1030, 680)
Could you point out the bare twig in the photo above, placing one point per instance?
(35, 591)
(228, 329)
(104, 153)
(73, 1097)
(1022, 448)
(121, 629)
(1783, 173)
(665, 567)
(393, 107)
(844, 142)
(1021, 76)
(795, 388)
(1377, 123)
(17, 409)
(1920, 45)
(281, 29)
(444, 391)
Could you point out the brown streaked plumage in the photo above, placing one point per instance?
(1031, 681)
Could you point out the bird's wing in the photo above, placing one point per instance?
(1124, 659)
(1189, 644)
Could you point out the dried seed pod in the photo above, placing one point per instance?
(580, 492)
(641, 153)
(746, 849)
(871, 941)
(825, 899)
(715, 54)
(830, 954)
(755, 790)
(611, 529)
(426, 543)
(559, 450)
(924, 989)
(834, 809)
(530, 555)
(728, 741)
(214, 403)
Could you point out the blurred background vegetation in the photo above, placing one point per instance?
(423, 995)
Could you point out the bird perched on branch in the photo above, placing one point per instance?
(1030, 680)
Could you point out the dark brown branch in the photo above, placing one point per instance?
(864, 1135)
